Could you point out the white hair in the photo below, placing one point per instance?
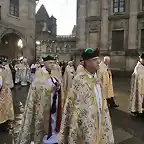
(70, 62)
(106, 58)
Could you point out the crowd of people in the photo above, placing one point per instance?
(65, 105)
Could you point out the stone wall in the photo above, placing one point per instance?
(61, 56)
(95, 23)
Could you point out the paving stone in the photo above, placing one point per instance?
(6, 138)
(121, 135)
(132, 141)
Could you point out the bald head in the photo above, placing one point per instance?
(107, 60)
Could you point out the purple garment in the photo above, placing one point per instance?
(0, 82)
(33, 70)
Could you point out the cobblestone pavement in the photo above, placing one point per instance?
(127, 129)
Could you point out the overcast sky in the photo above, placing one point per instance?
(64, 11)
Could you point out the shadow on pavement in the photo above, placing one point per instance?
(132, 124)
(5, 138)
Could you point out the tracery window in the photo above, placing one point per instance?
(118, 6)
(14, 8)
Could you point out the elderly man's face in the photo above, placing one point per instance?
(50, 64)
(70, 63)
(142, 60)
(4, 63)
(107, 61)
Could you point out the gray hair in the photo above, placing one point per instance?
(106, 58)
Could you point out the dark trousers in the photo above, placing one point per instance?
(111, 101)
(4, 126)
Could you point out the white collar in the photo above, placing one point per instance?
(92, 75)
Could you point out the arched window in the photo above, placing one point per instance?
(14, 8)
(118, 6)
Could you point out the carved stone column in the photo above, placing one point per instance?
(104, 25)
(93, 8)
(93, 23)
(81, 16)
(132, 40)
(93, 32)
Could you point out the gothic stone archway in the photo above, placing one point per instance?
(9, 44)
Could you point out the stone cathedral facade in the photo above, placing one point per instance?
(116, 27)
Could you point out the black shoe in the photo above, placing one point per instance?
(112, 103)
(114, 106)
